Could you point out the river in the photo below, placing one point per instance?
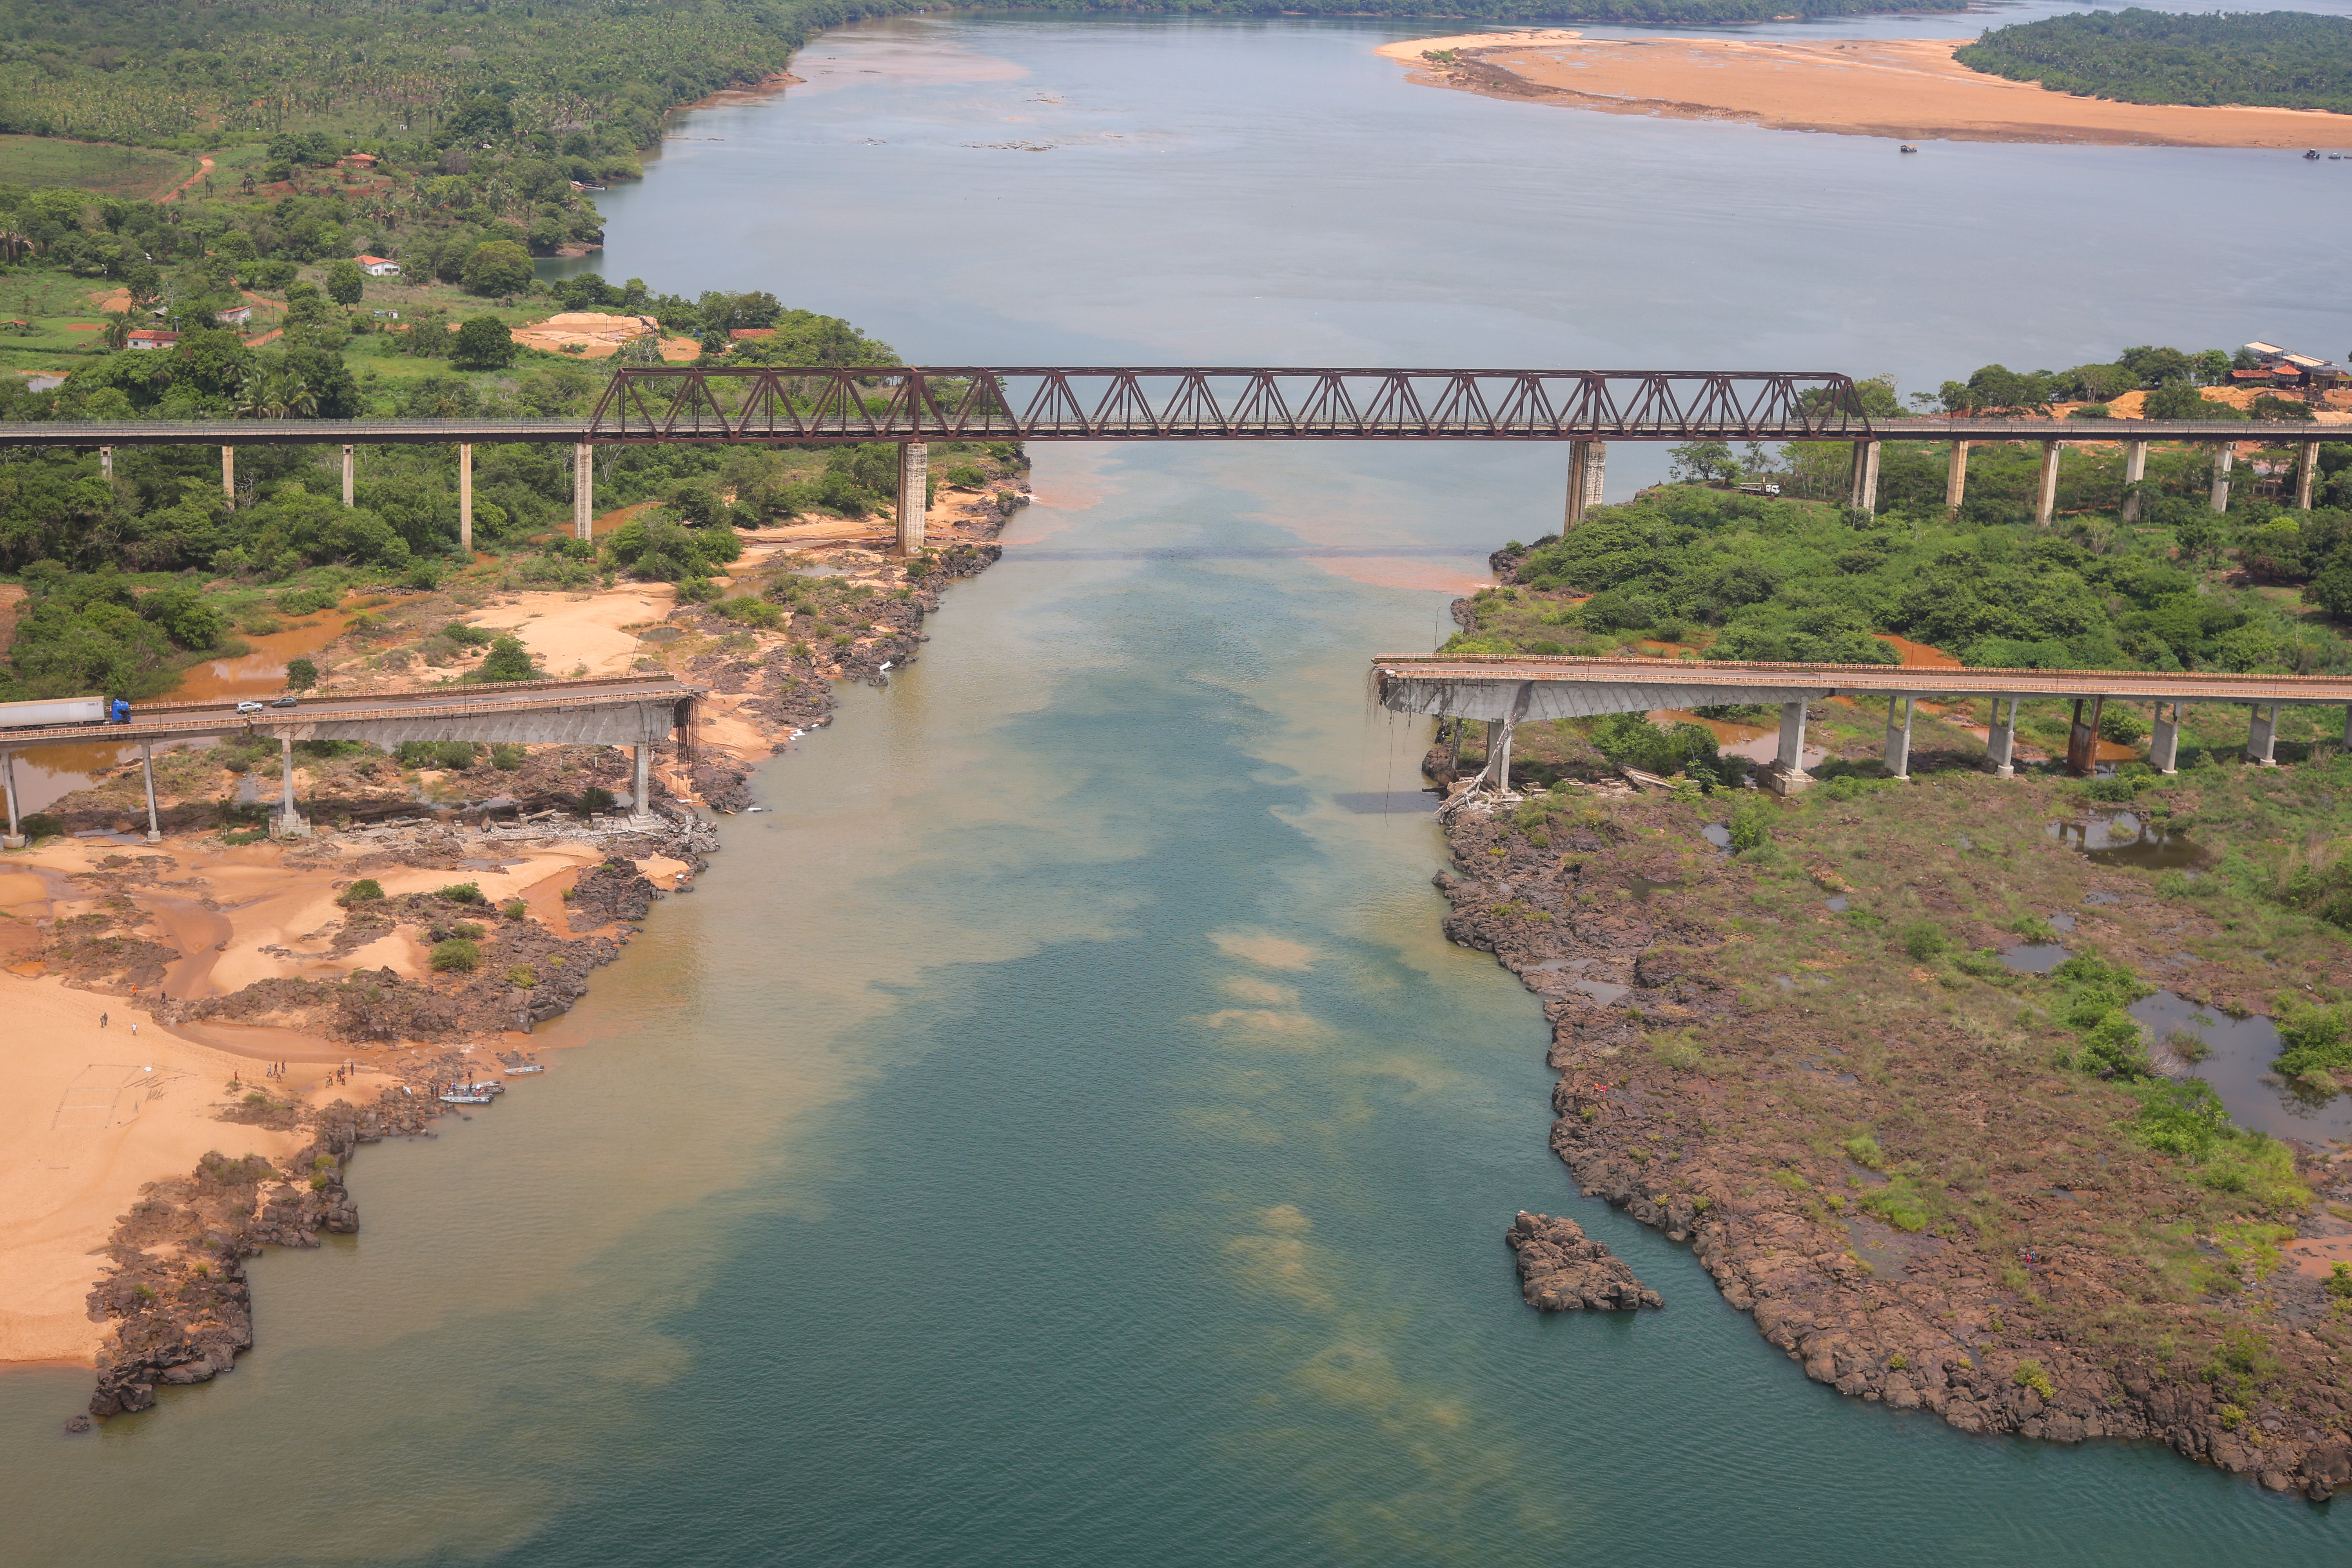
(1059, 1132)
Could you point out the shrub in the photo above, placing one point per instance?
(470, 929)
(2122, 725)
(751, 612)
(1924, 940)
(965, 476)
(1900, 1203)
(515, 910)
(1678, 1052)
(2339, 1281)
(463, 892)
(1751, 826)
(2029, 1375)
(302, 675)
(2097, 995)
(457, 955)
(360, 893)
(523, 975)
(507, 660)
(2317, 1043)
(1866, 1152)
(506, 755)
(595, 798)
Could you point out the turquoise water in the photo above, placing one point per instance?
(1059, 1133)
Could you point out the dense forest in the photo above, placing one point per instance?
(2288, 59)
(402, 75)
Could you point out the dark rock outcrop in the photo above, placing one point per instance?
(1561, 1269)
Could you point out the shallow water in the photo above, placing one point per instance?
(1059, 1132)
(2237, 1066)
(2121, 838)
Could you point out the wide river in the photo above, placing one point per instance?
(1059, 1133)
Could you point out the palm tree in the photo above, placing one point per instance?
(16, 243)
(115, 334)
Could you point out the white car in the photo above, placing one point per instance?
(247, 710)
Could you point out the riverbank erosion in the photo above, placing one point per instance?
(1907, 88)
(1898, 1152)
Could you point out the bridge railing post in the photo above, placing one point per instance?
(914, 495)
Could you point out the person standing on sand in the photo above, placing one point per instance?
(101, 1020)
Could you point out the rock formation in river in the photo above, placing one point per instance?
(1561, 1269)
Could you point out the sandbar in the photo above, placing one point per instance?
(1909, 89)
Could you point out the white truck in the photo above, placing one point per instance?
(62, 710)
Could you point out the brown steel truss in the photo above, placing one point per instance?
(767, 403)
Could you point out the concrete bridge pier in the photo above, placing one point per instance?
(914, 495)
(2135, 472)
(2082, 739)
(583, 491)
(1898, 738)
(2225, 459)
(2045, 485)
(2261, 734)
(2306, 468)
(1787, 775)
(1861, 492)
(1499, 753)
(1956, 478)
(2001, 739)
(287, 823)
(351, 472)
(14, 837)
(641, 787)
(2163, 744)
(106, 462)
(147, 771)
(228, 476)
(1587, 467)
(465, 497)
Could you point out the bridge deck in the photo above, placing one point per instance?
(457, 709)
(1534, 687)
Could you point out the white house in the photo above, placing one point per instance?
(377, 266)
(150, 337)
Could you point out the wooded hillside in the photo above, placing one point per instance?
(2287, 60)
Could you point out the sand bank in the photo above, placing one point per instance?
(1909, 89)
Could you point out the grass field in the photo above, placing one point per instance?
(110, 171)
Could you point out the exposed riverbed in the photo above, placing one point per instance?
(1059, 1131)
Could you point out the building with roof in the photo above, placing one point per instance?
(379, 267)
(150, 338)
(2277, 366)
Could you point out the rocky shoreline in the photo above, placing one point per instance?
(1712, 1102)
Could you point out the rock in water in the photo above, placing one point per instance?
(1562, 1271)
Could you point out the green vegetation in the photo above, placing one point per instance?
(457, 955)
(2097, 995)
(139, 174)
(2289, 60)
(364, 890)
(463, 893)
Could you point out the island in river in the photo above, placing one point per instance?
(1909, 89)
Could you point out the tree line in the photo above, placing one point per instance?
(2288, 59)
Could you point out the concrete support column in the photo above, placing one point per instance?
(583, 491)
(1787, 774)
(2001, 739)
(106, 462)
(1503, 767)
(290, 823)
(1956, 478)
(1863, 493)
(2261, 734)
(2082, 739)
(465, 497)
(2164, 743)
(914, 495)
(641, 786)
(14, 837)
(351, 473)
(2045, 485)
(2225, 459)
(147, 770)
(2135, 472)
(2306, 468)
(228, 476)
(2347, 728)
(1898, 738)
(1587, 467)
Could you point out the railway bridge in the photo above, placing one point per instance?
(1506, 689)
(634, 712)
(913, 407)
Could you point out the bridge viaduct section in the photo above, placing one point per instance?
(1505, 689)
(913, 407)
(637, 712)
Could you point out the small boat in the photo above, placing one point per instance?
(532, 1067)
(465, 1099)
(2310, 156)
(1907, 147)
(481, 1089)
